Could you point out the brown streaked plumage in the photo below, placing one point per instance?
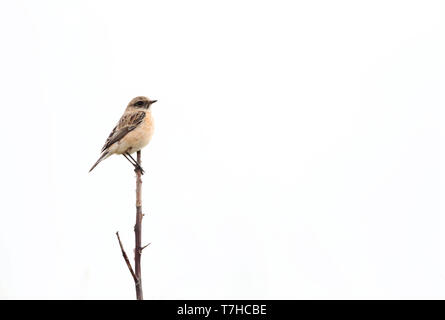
(132, 132)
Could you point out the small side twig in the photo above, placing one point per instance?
(145, 246)
(126, 258)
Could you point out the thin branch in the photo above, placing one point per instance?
(137, 232)
(138, 229)
(126, 258)
(145, 246)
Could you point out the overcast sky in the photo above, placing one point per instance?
(298, 150)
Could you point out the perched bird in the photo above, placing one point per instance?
(132, 132)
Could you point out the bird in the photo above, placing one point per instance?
(132, 133)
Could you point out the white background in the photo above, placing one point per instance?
(298, 152)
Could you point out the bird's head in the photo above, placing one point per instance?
(140, 103)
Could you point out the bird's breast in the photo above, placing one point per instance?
(138, 138)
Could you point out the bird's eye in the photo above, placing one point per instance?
(140, 103)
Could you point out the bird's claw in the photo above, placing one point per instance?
(139, 168)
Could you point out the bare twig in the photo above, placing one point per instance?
(145, 246)
(137, 234)
(126, 258)
(138, 231)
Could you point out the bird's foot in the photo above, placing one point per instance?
(139, 168)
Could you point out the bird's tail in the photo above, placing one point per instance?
(102, 157)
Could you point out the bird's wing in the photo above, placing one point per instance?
(127, 123)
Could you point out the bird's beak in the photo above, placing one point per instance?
(153, 101)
